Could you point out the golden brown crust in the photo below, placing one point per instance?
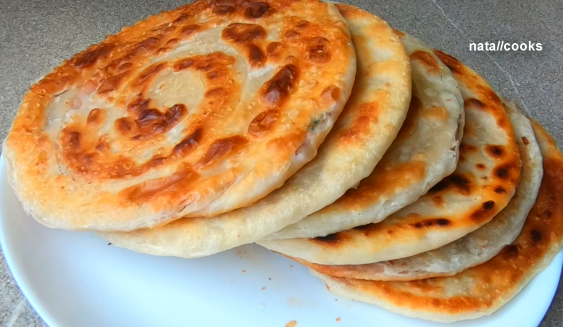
(189, 107)
(454, 207)
(483, 289)
(363, 133)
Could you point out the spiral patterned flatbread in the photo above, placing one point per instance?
(192, 112)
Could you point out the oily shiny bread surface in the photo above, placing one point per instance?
(364, 131)
(476, 247)
(481, 186)
(424, 152)
(485, 288)
(194, 111)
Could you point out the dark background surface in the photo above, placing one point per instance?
(36, 35)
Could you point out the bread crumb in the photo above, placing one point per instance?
(292, 323)
(243, 271)
(263, 288)
(338, 319)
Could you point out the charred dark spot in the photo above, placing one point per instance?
(525, 140)
(547, 214)
(511, 251)
(494, 150)
(472, 102)
(363, 227)
(277, 89)
(443, 222)
(431, 222)
(138, 105)
(536, 236)
(501, 172)
(88, 58)
(175, 112)
(331, 238)
(257, 9)
(461, 183)
(188, 143)
(488, 205)
(480, 166)
(500, 190)
(148, 116)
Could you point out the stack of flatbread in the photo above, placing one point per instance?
(390, 169)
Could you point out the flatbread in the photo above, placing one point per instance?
(364, 131)
(483, 289)
(198, 110)
(476, 247)
(425, 151)
(482, 185)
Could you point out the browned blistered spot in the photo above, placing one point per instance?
(257, 9)
(183, 64)
(525, 140)
(96, 116)
(242, 33)
(149, 73)
(263, 122)
(302, 24)
(430, 223)
(536, 236)
(152, 122)
(458, 181)
(317, 50)
(216, 92)
(189, 30)
(426, 59)
(467, 148)
(223, 9)
(221, 148)
(510, 251)
(291, 34)
(188, 143)
(438, 201)
(452, 63)
(256, 56)
(112, 83)
(501, 172)
(547, 214)
(483, 212)
(480, 166)
(474, 103)
(125, 126)
(72, 138)
(331, 238)
(273, 47)
(172, 42)
(93, 54)
(331, 94)
(180, 19)
(500, 190)
(277, 89)
(495, 150)
(165, 186)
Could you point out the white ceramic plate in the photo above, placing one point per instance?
(76, 279)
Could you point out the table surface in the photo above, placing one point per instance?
(36, 35)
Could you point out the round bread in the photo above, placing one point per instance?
(485, 288)
(424, 152)
(476, 247)
(195, 111)
(481, 186)
(364, 131)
